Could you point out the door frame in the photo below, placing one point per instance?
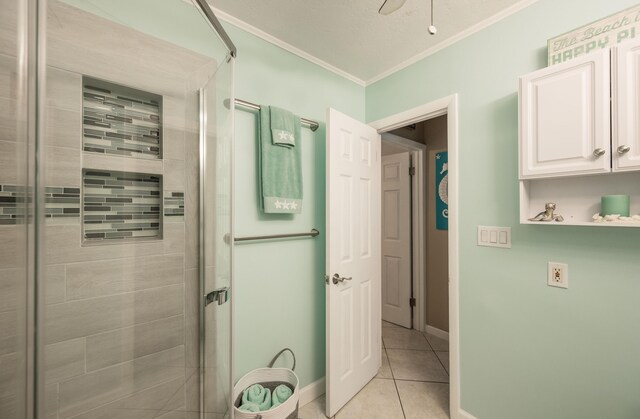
(444, 106)
(418, 153)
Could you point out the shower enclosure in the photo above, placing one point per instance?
(115, 210)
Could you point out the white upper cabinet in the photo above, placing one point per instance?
(626, 106)
(564, 118)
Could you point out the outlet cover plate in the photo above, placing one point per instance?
(558, 275)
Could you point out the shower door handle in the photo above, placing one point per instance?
(221, 295)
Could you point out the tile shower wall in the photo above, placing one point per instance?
(120, 121)
(60, 202)
(122, 320)
(120, 205)
(12, 200)
(173, 204)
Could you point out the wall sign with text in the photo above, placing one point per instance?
(604, 33)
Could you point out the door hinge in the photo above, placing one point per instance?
(412, 171)
(412, 302)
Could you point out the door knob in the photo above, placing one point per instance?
(337, 278)
(599, 152)
(623, 149)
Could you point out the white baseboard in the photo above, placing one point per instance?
(462, 414)
(312, 391)
(437, 332)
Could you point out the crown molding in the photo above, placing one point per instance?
(286, 46)
(420, 56)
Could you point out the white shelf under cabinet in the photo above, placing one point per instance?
(577, 198)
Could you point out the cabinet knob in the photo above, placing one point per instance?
(623, 149)
(599, 152)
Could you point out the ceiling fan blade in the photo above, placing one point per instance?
(390, 6)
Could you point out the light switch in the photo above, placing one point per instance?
(494, 236)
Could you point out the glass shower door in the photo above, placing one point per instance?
(133, 231)
(17, 186)
(217, 100)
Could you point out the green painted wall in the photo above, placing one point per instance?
(528, 351)
(279, 286)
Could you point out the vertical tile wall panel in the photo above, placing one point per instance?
(101, 278)
(94, 389)
(139, 319)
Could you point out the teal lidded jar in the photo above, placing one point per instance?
(615, 204)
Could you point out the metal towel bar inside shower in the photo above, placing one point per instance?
(313, 233)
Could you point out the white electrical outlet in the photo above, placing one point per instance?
(558, 275)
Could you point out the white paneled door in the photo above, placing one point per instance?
(353, 258)
(396, 239)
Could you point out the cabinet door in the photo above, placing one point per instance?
(564, 118)
(626, 106)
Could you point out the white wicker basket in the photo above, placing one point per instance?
(270, 378)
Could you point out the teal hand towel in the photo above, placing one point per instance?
(280, 170)
(283, 125)
(280, 395)
(258, 395)
(249, 407)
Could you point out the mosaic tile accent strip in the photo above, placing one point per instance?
(121, 205)
(12, 200)
(173, 204)
(119, 120)
(61, 202)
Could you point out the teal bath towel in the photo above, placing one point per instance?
(258, 395)
(280, 395)
(280, 169)
(283, 125)
(249, 407)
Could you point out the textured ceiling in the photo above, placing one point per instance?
(352, 36)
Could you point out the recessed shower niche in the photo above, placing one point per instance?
(120, 120)
(120, 205)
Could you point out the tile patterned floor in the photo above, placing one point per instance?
(413, 382)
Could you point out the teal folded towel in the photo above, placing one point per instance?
(280, 395)
(249, 407)
(257, 395)
(283, 125)
(280, 170)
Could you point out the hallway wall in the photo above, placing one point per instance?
(437, 266)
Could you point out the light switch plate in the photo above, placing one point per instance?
(493, 236)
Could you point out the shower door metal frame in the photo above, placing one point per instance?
(211, 17)
(35, 57)
(229, 60)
